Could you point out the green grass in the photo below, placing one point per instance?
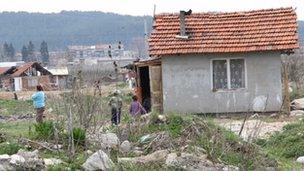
(286, 145)
(9, 147)
(10, 107)
(17, 129)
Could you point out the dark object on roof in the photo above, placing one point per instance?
(20, 71)
(259, 30)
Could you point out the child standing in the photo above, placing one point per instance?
(136, 108)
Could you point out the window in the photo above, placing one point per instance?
(228, 74)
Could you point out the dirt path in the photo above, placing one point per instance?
(254, 128)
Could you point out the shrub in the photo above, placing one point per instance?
(44, 130)
(175, 125)
(9, 148)
(79, 136)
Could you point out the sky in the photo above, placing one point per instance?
(145, 7)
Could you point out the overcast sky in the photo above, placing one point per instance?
(145, 7)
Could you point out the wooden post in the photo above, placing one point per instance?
(286, 89)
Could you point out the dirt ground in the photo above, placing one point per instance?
(255, 128)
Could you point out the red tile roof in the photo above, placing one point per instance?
(259, 30)
(21, 69)
(3, 69)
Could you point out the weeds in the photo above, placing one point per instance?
(44, 130)
(9, 148)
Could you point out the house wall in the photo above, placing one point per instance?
(187, 84)
(30, 83)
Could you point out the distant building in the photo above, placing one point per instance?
(59, 76)
(96, 51)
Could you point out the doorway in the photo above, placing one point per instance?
(145, 87)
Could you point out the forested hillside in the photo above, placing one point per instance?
(75, 28)
(67, 28)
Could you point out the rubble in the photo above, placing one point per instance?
(98, 161)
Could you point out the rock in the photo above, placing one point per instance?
(89, 152)
(28, 154)
(17, 160)
(125, 146)
(109, 140)
(297, 113)
(187, 161)
(4, 157)
(98, 161)
(274, 115)
(2, 168)
(156, 157)
(27, 160)
(297, 104)
(255, 116)
(300, 159)
(52, 161)
(138, 152)
(57, 147)
(171, 160)
(162, 118)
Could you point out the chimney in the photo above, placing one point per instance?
(182, 23)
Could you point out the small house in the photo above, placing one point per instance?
(217, 62)
(27, 76)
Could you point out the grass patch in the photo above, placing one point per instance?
(17, 129)
(10, 107)
(286, 145)
(9, 148)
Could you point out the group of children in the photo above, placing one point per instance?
(115, 103)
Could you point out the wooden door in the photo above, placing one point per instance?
(155, 73)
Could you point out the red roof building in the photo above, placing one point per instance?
(258, 30)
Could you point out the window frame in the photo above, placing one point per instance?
(228, 74)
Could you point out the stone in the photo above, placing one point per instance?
(255, 116)
(4, 157)
(109, 140)
(125, 146)
(138, 152)
(17, 160)
(52, 161)
(297, 104)
(156, 157)
(89, 152)
(274, 115)
(171, 160)
(162, 118)
(98, 161)
(2, 168)
(188, 161)
(300, 159)
(28, 154)
(297, 113)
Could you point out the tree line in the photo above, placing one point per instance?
(27, 53)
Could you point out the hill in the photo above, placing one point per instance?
(70, 28)
(75, 28)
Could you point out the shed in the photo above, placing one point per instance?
(218, 62)
(60, 76)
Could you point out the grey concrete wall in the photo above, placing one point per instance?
(187, 84)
